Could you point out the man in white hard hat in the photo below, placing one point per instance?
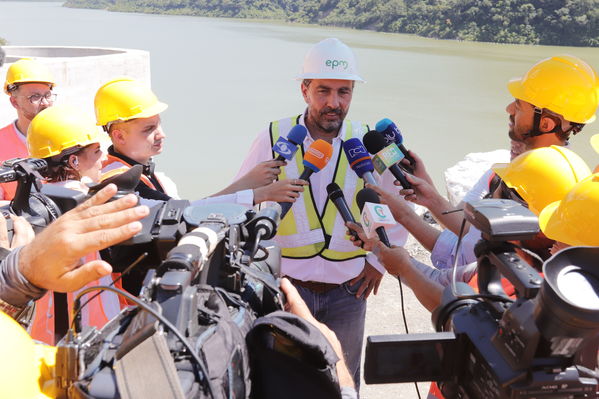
(332, 276)
(29, 84)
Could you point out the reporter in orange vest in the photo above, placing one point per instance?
(29, 85)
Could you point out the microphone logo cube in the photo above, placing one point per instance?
(284, 148)
(386, 157)
(375, 216)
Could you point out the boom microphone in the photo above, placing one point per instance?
(286, 147)
(393, 135)
(359, 159)
(316, 157)
(386, 156)
(375, 216)
(338, 199)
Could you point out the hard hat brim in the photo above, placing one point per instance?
(516, 89)
(595, 142)
(544, 218)
(155, 109)
(502, 171)
(330, 75)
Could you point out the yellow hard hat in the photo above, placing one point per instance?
(543, 175)
(26, 367)
(563, 84)
(124, 99)
(27, 70)
(58, 129)
(575, 219)
(595, 142)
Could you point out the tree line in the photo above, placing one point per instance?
(549, 22)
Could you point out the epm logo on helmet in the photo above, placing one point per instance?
(336, 63)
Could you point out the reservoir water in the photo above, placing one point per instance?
(225, 79)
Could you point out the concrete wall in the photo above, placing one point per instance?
(79, 72)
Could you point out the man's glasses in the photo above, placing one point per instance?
(36, 99)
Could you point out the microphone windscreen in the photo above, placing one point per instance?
(126, 181)
(367, 195)
(318, 155)
(334, 191)
(358, 157)
(374, 141)
(390, 131)
(297, 134)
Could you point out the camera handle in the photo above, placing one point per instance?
(496, 259)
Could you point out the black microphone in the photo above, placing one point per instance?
(376, 145)
(338, 199)
(369, 195)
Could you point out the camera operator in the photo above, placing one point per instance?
(29, 85)
(553, 100)
(52, 260)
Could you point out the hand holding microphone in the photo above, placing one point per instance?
(316, 157)
(385, 156)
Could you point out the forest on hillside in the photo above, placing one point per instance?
(550, 22)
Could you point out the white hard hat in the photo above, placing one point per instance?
(330, 59)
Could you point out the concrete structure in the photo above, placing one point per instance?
(79, 72)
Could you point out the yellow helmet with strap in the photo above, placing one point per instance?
(564, 84)
(27, 70)
(543, 175)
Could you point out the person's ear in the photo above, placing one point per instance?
(74, 162)
(547, 124)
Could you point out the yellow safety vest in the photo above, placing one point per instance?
(303, 233)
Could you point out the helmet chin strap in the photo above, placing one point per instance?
(536, 126)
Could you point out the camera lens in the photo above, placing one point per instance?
(567, 307)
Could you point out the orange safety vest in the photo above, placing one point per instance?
(96, 313)
(115, 166)
(11, 146)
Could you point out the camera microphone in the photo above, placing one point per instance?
(359, 160)
(385, 156)
(316, 157)
(375, 216)
(287, 147)
(392, 134)
(338, 199)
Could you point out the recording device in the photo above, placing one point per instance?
(316, 157)
(194, 307)
(39, 204)
(385, 156)
(392, 135)
(375, 216)
(359, 160)
(286, 147)
(338, 199)
(491, 346)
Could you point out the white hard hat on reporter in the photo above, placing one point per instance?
(330, 59)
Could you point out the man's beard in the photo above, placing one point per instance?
(330, 126)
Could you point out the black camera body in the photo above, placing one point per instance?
(494, 347)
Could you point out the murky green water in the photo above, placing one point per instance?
(226, 79)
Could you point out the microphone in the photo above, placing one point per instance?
(316, 157)
(385, 156)
(359, 159)
(393, 135)
(286, 147)
(375, 216)
(338, 199)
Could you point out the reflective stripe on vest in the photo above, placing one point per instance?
(11, 146)
(303, 233)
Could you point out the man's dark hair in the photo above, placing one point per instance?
(2, 56)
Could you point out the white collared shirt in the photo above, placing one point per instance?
(318, 268)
